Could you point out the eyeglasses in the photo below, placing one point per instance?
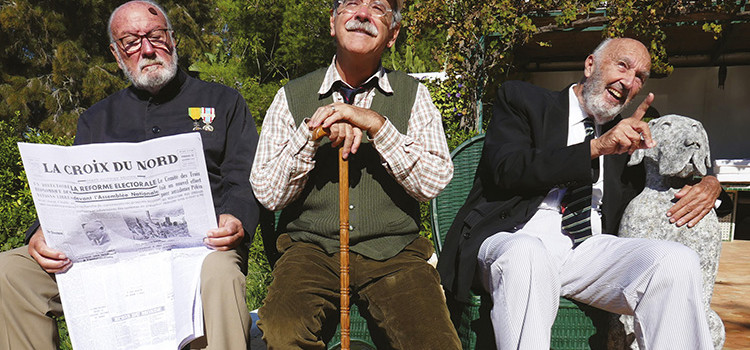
(377, 8)
(131, 43)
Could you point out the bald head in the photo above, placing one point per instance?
(622, 45)
(121, 14)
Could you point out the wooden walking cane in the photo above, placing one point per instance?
(343, 240)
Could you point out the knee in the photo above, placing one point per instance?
(679, 262)
(523, 249)
(284, 325)
(8, 270)
(222, 269)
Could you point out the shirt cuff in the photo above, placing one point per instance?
(387, 138)
(301, 141)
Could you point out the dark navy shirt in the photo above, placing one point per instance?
(133, 115)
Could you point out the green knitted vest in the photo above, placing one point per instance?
(383, 217)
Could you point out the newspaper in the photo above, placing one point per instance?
(132, 218)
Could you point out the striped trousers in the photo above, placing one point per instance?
(526, 272)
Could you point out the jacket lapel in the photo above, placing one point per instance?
(556, 127)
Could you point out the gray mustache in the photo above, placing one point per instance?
(356, 24)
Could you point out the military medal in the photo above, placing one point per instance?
(195, 115)
(208, 114)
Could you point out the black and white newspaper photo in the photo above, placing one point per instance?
(132, 218)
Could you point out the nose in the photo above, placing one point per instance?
(147, 50)
(629, 80)
(363, 11)
(692, 139)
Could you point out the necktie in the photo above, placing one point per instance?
(349, 93)
(576, 203)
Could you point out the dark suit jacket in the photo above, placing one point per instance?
(525, 155)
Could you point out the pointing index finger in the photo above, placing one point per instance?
(643, 107)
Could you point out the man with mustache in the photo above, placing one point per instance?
(392, 135)
(535, 225)
(159, 103)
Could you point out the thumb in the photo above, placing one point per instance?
(683, 192)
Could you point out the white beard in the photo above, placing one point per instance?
(154, 79)
(595, 103)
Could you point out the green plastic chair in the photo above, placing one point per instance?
(577, 326)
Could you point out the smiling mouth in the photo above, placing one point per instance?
(615, 93)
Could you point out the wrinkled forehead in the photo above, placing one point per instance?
(137, 16)
(629, 50)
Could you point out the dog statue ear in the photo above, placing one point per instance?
(636, 157)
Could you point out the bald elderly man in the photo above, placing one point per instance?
(542, 217)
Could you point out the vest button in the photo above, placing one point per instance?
(156, 129)
(351, 206)
(351, 228)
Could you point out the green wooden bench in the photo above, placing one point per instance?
(577, 326)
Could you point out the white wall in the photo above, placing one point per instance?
(692, 92)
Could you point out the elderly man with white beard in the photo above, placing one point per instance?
(393, 138)
(162, 101)
(541, 219)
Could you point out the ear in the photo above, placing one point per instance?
(588, 66)
(394, 35)
(333, 23)
(113, 49)
(636, 157)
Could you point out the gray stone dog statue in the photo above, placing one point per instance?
(681, 153)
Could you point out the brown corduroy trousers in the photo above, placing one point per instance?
(401, 296)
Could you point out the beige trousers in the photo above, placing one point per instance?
(29, 298)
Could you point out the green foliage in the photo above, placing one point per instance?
(16, 205)
(449, 97)
(481, 36)
(409, 63)
(258, 274)
(55, 60)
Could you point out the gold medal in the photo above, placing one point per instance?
(195, 115)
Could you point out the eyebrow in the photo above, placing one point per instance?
(643, 74)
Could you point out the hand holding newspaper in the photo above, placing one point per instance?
(132, 218)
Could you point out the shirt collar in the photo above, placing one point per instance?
(332, 76)
(576, 114)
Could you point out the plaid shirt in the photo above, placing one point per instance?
(419, 161)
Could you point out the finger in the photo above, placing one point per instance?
(698, 217)
(219, 232)
(347, 142)
(683, 192)
(51, 265)
(333, 118)
(41, 248)
(643, 107)
(682, 212)
(320, 115)
(223, 243)
(357, 139)
(65, 267)
(335, 135)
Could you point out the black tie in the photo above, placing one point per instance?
(576, 203)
